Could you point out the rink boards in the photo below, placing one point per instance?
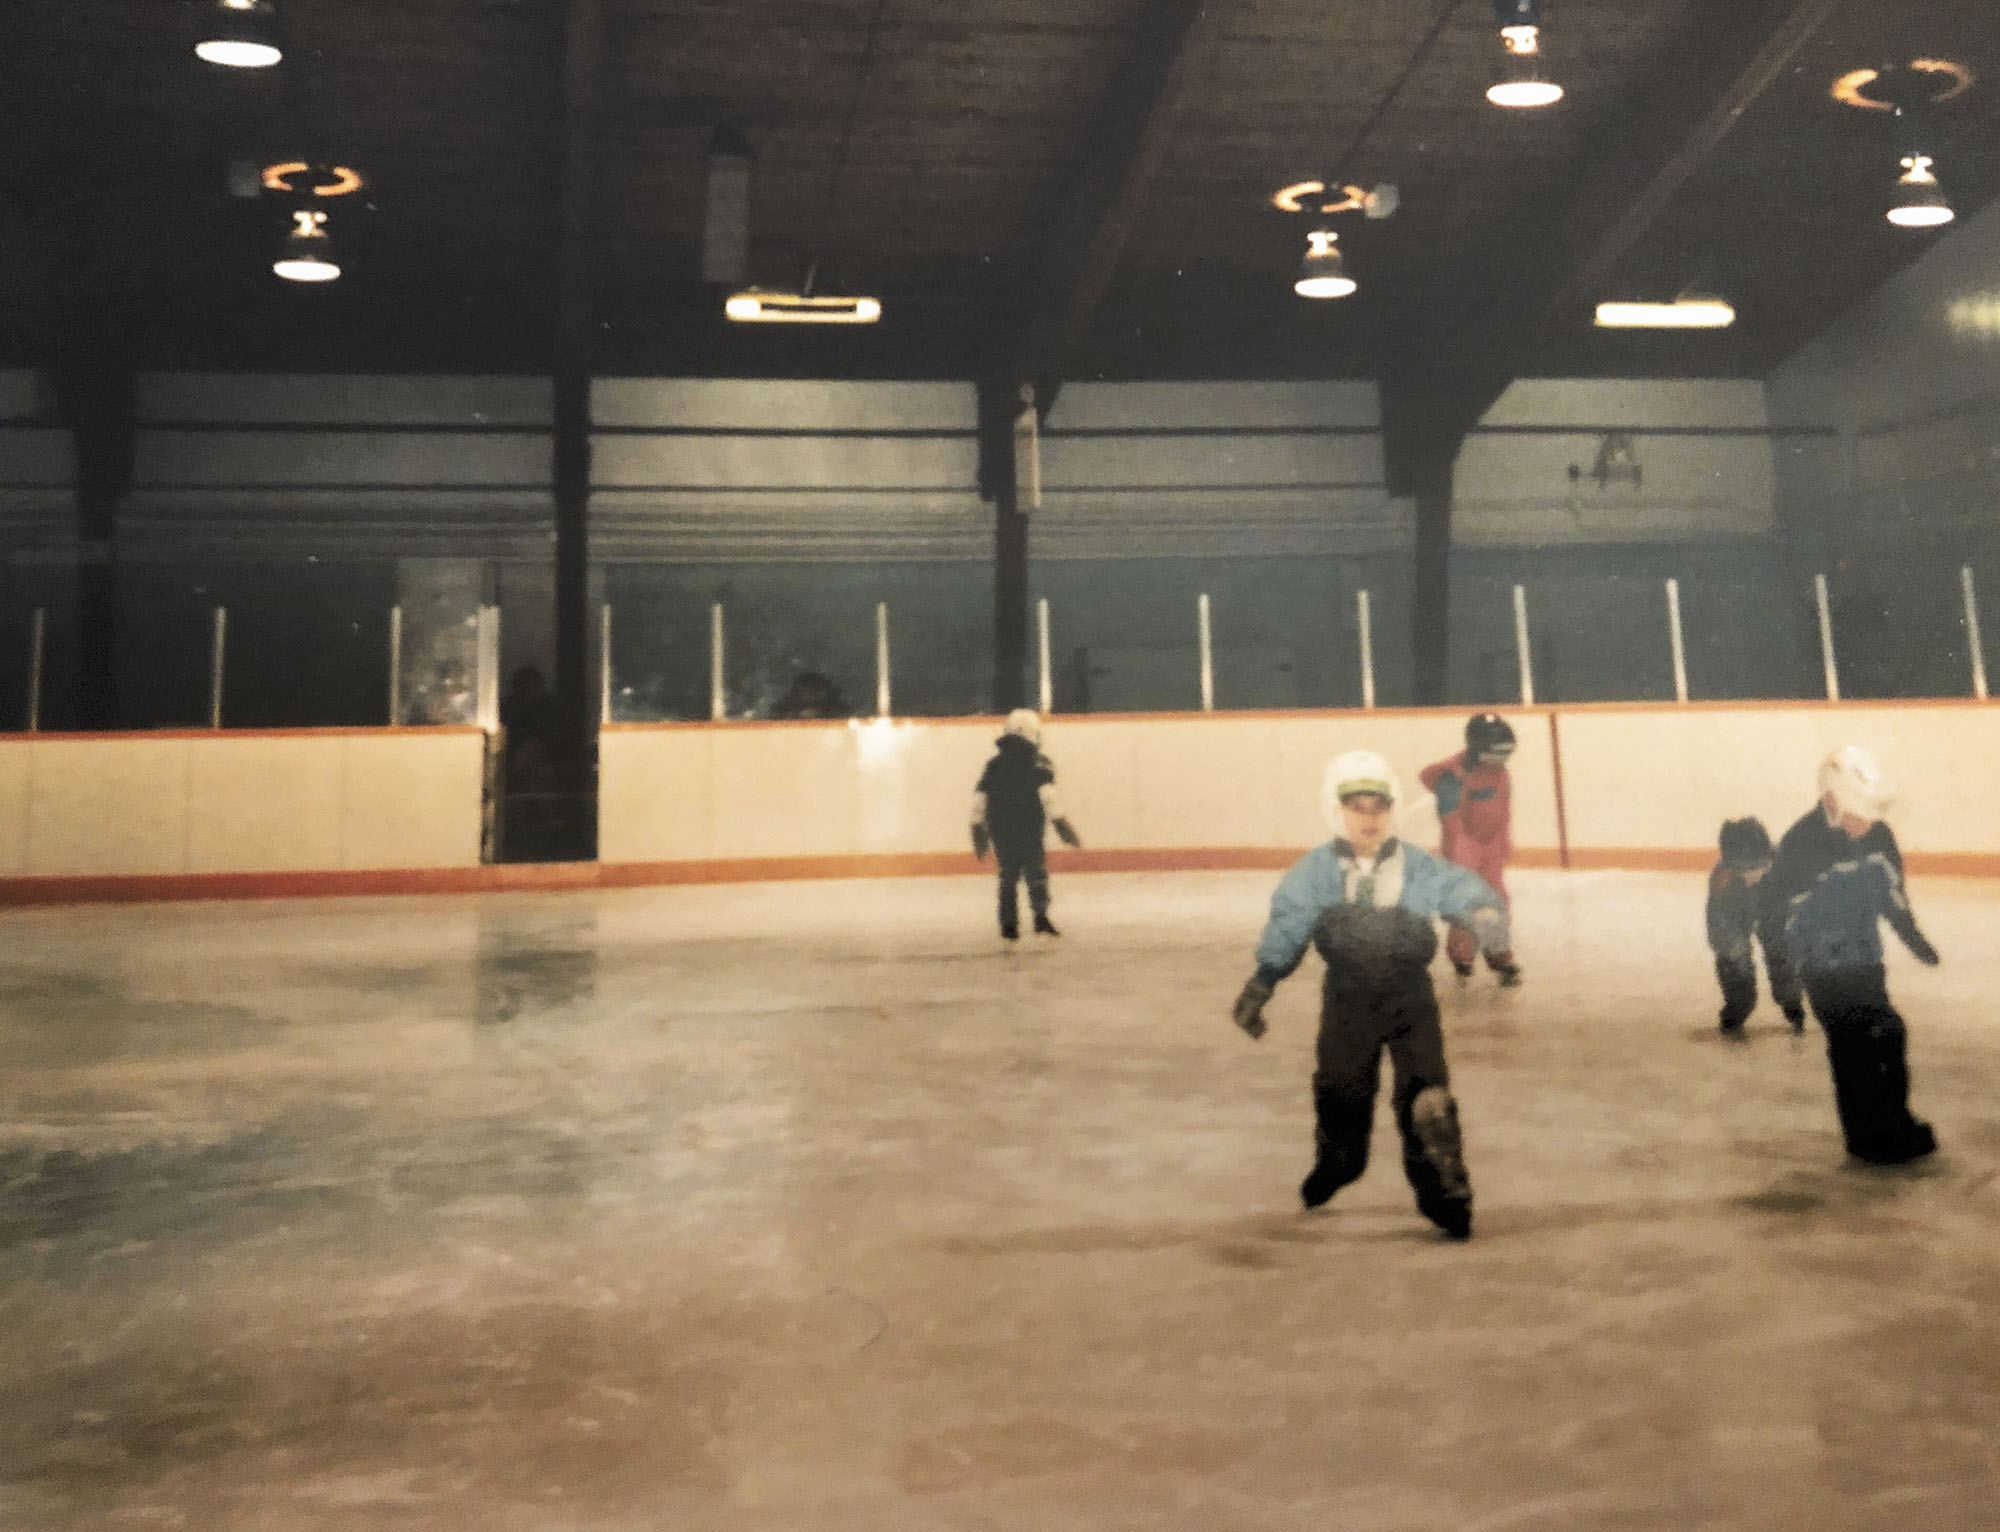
(252, 813)
(1594, 786)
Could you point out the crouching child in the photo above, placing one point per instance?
(1741, 912)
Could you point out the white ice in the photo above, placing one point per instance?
(810, 1206)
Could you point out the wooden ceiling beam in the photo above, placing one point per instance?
(1071, 250)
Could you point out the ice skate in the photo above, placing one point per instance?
(1463, 970)
(1730, 1026)
(1045, 927)
(1796, 1016)
(1447, 1200)
(1452, 1216)
(1010, 933)
(1913, 1144)
(1510, 974)
(1320, 1184)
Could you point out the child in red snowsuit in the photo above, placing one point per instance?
(1475, 811)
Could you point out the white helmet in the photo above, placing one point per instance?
(1856, 782)
(1358, 771)
(1025, 722)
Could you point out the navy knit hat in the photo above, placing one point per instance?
(1745, 843)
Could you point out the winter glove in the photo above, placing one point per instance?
(1450, 790)
(1248, 1012)
(1067, 832)
(982, 840)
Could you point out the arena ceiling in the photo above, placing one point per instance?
(1047, 188)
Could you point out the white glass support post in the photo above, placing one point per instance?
(604, 664)
(1674, 633)
(1367, 649)
(1044, 690)
(1207, 654)
(37, 646)
(717, 702)
(486, 672)
(881, 659)
(1973, 640)
(1826, 639)
(395, 666)
(1522, 654)
(215, 653)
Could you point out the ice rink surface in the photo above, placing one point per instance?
(808, 1206)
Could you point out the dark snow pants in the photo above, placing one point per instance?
(1021, 863)
(1865, 1046)
(1379, 999)
(1736, 972)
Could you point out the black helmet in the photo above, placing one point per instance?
(1487, 734)
(1745, 843)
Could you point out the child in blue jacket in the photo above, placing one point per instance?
(1837, 876)
(1367, 901)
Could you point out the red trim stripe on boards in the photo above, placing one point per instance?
(550, 877)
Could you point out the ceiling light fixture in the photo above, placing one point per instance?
(1682, 314)
(1871, 91)
(756, 305)
(244, 36)
(1920, 201)
(300, 179)
(308, 253)
(1377, 202)
(1323, 272)
(1523, 84)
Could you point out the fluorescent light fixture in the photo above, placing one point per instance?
(244, 37)
(1323, 272)
(308, 253)
(1681, 314)
(756, 306)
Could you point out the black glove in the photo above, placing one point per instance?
(1248, 1012)
(1921, 949)
(1067, 833)
(982, 839)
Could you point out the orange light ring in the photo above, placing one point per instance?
(279, 178)
(1850, 89)
(1354, 198)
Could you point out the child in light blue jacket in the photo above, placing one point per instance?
(1368, 901)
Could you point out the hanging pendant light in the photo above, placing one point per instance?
(1920, 202)
(1323, 272)
(1522, 83)
(243, 35)
(308, 254)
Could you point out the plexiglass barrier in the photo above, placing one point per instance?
(268, 646)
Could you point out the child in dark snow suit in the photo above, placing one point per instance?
(1475, 808)
(1739, 910)
(1366, 901)
(1015, 796)
(1838, 874)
